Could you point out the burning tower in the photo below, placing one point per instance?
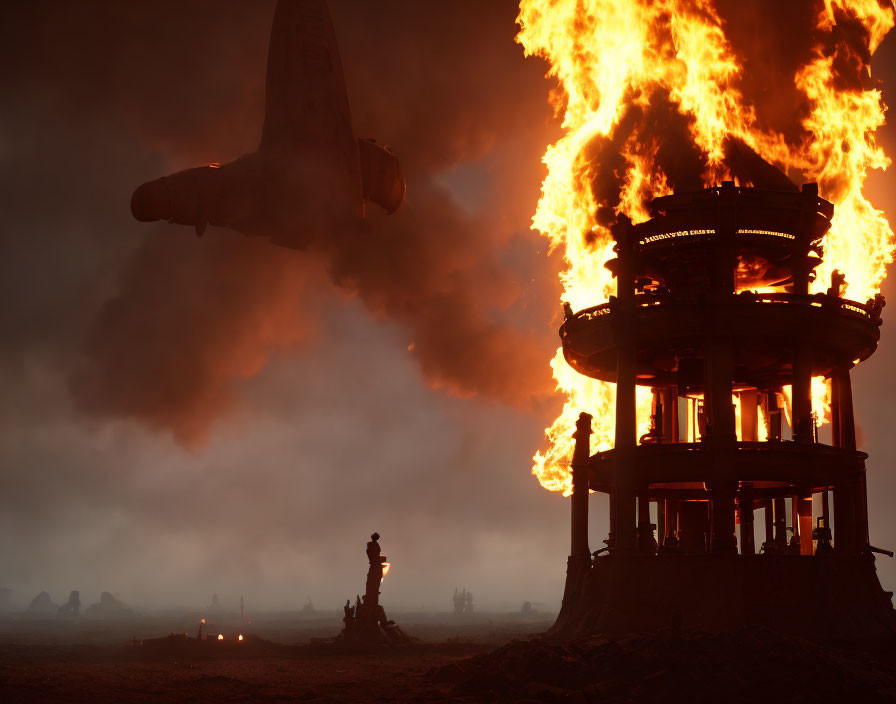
(713, 314)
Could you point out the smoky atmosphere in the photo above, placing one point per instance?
(360, 351)
(184, 416)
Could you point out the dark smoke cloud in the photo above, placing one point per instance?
(188, 322)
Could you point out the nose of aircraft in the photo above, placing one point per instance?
(151, 201)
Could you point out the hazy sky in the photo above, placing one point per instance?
(316, 413)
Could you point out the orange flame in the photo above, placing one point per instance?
(386, 567)
(220, 636)
(610, 55)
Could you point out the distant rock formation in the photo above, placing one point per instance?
(108, 607)
(72, 607)
(660, 666)
(42, 605)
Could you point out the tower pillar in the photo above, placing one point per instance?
(580, 489)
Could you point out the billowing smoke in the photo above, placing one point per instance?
(771, 42)
(189, 320)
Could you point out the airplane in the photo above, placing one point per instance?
(309, 174)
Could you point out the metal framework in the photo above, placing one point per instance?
(713, 313)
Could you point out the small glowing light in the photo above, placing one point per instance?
(202, 621)
(220, 636)
(240, 636)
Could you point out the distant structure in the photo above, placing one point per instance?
(108, 607)
(463, 602)
(310, 174)
(72, 607)
(215, 607)
(42, 606)
(308, 609)
(713, 314)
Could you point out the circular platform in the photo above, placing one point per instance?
(678, 470)
(763, 330)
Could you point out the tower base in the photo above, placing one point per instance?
(818, 597)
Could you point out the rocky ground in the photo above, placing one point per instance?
(752, 665)
(290, 661)
(482, 661)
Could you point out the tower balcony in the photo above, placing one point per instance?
(764, 330)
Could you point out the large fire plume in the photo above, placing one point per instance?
(654, 96)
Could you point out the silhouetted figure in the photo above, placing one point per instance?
(374, 571)
(822, 534)
(877, 306)
(837, 282)
(72, 607)
(367, 623)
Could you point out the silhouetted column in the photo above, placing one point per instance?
(646, 539)
(671, 529)
(804, 510)
(745, 504)
(769, 522)
(625, 482)
(795, 522)
(835, 412)
(749, 416)
(723, 482)
(580, 489)
(849, 501)
(781, 522)
(772, 415)
(626, 428)
(848, 432)
(826, 509)
(611, 536)
(801, 412)
(669, 398)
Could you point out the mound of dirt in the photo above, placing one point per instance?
(749, 666)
